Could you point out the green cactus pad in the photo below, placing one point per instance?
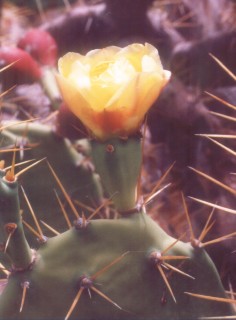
(114, 257)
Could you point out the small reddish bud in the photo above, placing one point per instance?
(24, 70)
(40, 45)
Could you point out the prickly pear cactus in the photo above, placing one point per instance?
(124, 268)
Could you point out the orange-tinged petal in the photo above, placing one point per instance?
(110, 123)
(112, 117)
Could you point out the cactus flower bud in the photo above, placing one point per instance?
(40, 45)
(24, 70)
(110, 90)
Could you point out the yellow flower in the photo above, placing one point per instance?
(110, 90)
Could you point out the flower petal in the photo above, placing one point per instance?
(149, 88)
(74, 99)
(103, 54)
(65, 64)
(125, 96)
(134, 53)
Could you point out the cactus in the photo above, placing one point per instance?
(124, 268)
(130, 266)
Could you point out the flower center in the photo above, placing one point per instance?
(112, 72)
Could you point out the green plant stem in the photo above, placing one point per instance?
(18, 249)
(50, 86)
(118, 162)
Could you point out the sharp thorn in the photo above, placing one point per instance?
(7, 242)
(166, 282)
(19, 164)
(163, 258)
(205, 230)
(97, 274)
(223, 136)
(50, 228)
(64, 192)
(32, 229)
(173, 244)
(10, 174)
(221, 100)
(203, 235)
(219, 239)
(90, 209)
(25, 286)
(218, 299)
(32, 213)
(159, 182)
(230, 73)
(178, 270)
(63, 210)
(214, 205)
(16, 123)
(8, 66)
(223, 116)
(149, 199)
(5, 93)
(12, 149)
(75, 301)
(105, 297)
(223, 146)
(89, 292)
(29, 167)
(222, 185)
(104, 204)
(192, 236)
